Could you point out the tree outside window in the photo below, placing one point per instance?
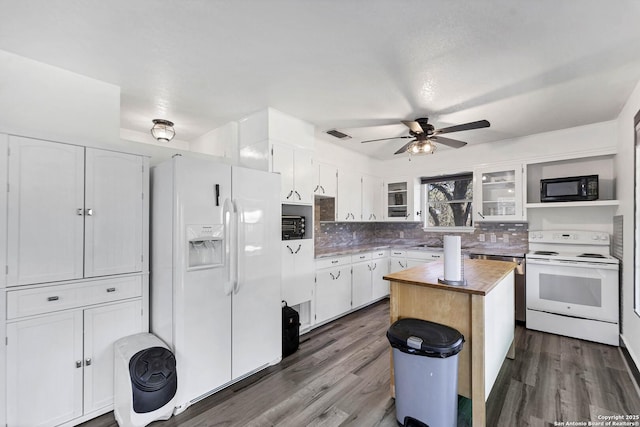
(448, 201)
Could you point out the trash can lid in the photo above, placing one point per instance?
(424, 338)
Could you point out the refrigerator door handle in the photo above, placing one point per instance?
(238, 240)
(228, 215)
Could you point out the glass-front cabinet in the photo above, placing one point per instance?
(399, 197)
(499, 193)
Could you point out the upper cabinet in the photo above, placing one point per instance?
(73, 212)
(349, 196)
(372, 209)
(295, 167)
(326, 184)
(498, 193)
(273, 141)
(399, 195)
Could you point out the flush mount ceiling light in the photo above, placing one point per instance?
(162, 130)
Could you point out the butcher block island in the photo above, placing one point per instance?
(482, 310)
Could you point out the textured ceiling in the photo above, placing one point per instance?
(358, 66)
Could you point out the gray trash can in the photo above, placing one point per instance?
(425, 365)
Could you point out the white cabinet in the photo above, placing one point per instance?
(379, 269)
(416, 258)
(361, 280)
(397, 261)
(295, 167)
(326, 180)
(333, 288)
(372, 209)
(498, 193)
(60, 366)
(73, 212)
(349, 196)
(399, 194)
(297, 271)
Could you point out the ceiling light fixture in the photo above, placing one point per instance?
(421, 147)
(162, 130)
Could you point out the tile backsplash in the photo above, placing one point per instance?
(511, 236)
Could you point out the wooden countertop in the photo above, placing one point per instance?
(481, 275)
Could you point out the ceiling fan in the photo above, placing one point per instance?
(424, 135)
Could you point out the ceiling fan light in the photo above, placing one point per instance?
(162, 130)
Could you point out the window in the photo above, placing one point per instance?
(447, 200)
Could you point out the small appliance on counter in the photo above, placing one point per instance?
(293, 227)
(569, 189)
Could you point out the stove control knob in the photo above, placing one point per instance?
(595, 237)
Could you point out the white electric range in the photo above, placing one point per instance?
(572, 285)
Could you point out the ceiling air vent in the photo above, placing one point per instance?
(338, 134)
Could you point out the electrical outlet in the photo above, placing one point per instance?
(354, 235)
(402, 234)
(481, 237)
(505, 238)
(493, 238)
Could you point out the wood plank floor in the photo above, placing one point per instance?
(340, 377)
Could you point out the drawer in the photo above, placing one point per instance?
(424, 255)
(28, 302)
(398, 253)
(380, 254)
(361, 257)
(332, 262)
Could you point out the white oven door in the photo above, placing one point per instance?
(573, 289)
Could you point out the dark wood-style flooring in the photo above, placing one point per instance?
(340, 377)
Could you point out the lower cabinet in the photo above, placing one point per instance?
(349, 282)
(379, 269)
(397, 261)
(415, 258)
(60, 365)
(333, 288)
(297, 270)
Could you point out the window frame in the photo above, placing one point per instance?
(424, 202)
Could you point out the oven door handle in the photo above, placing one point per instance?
(575, 264)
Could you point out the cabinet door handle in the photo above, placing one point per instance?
(338, 274)
(298, 194)
(88, 212)
(111, 289)
(79, 211)
(481, 216)
(347, 217)
(298, 250)
(406, 216)
(290, 250)
(375, 264)
(335, 261)
(78, 363)
(290, 194)
(332, 276)
(322, 188)
(87, 362)
(55, 298)
(315, 190)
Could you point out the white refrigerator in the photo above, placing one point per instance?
(215, 271)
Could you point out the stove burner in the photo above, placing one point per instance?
(587, 255)
(545, 253)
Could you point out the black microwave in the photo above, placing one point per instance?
(569, 189)
(293, 227)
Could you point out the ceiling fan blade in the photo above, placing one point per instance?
(453, 143)
(414, 126)
(404, 148)
(467, 126)
(385, 139)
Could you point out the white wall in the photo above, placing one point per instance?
(624, 166)
(47, 102)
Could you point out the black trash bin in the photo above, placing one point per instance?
(290, 330)
(425, 365)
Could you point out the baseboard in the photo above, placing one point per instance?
(631, 362)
